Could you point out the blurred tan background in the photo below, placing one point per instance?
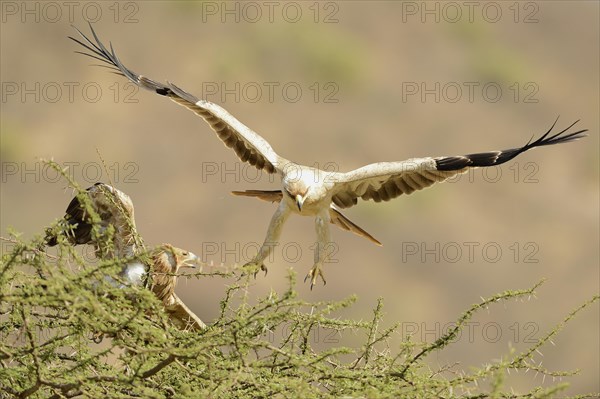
(341, 76)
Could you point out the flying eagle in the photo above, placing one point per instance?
(309, 191)
(106, 219)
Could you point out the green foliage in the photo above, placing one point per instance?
(65, 331)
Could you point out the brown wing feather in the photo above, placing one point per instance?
(114, 208)
(395, 186)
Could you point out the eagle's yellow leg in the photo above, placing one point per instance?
(322, 248)
(271, 240)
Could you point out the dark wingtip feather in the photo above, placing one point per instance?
(182, 93)
(452, 163)
(98, 51)
(493, 158)
(73, 226)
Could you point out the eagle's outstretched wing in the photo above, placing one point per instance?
(114, 208)
(384, 181)
(247, 144)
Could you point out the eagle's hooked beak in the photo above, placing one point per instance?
(190, 260)
(299, 202)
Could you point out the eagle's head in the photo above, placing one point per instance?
(301, 185)
(297, 191)
(167, 260)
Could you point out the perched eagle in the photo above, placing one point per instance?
(309, 191)
(105, 219)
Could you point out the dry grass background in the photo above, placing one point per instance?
(369, 53)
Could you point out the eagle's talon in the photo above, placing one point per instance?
(254, 267)
(313, 274)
